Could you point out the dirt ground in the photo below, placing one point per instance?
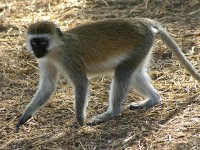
(172, 124)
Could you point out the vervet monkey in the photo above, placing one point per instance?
(119, 45)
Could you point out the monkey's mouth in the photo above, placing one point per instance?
(40, 53)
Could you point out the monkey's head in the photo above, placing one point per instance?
(42, 37)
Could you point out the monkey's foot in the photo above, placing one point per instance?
(80, 120)
(23, 119)
(101, 118)
(145, 105)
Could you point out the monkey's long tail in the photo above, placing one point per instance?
(165, 37)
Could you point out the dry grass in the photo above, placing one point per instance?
(172, 124)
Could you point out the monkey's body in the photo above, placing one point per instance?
(108, 46)
(123, 46)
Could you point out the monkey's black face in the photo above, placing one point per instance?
(39, 46)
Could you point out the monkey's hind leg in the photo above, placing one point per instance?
(118, 91)
(142, 85)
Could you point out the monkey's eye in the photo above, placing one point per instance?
(41, 41)
(34, 41)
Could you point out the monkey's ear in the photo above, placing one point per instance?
(59, 32)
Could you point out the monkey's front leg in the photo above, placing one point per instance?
(81, 91)
(48, 81)
(38, 101)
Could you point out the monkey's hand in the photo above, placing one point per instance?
(23, 119)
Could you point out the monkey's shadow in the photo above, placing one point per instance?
(133, 127)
